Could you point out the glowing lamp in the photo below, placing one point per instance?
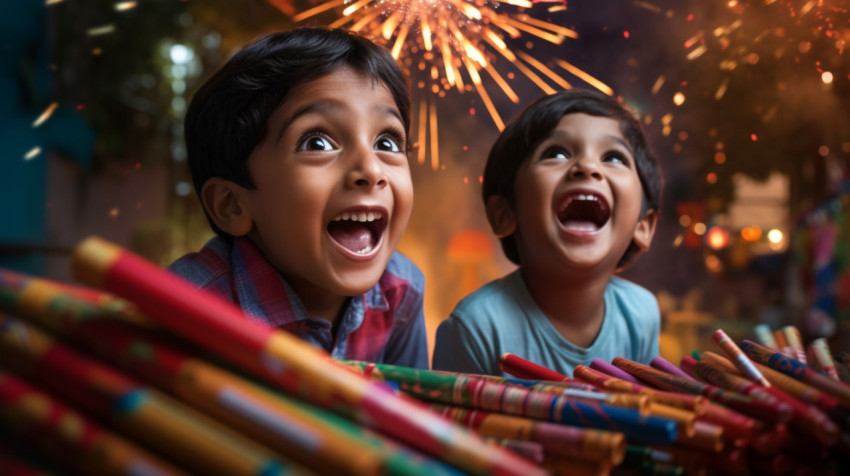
(751, 233)
(717, 237)
(181, 54)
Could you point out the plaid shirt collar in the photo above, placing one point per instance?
(265, 296)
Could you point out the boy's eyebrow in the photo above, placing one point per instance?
(622, 141)
(327, 106)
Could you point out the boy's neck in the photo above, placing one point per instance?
(319, 303)
(574, 306)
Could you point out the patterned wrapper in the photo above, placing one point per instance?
(316, 439)
(553, 382)
(172, 429)
(795, 341)
(736, 426)
(737, 356)
(787, 384)
(692, 403)
(573, 384)
(842, 365)
(530, 450)
(522, 368)
(682, 408)
(820, 350)
(640, 403)
(284, 360)
(718, 376)
(798, 370)
(774, 413)
(71, 437)
(792, 387)
(569, 388)
(664, 365)
(74, 302)
(472, 392)
(684, 418)
(841, 368)
(570, 441)
(707, 436)
(601, 366)
(806, 418)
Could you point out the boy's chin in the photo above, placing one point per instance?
(355, 284)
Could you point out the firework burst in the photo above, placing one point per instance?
(450, 44)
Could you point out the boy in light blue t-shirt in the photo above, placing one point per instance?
(572, 190)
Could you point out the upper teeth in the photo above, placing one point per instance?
(582, 196)
(358, 216)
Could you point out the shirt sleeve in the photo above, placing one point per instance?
(457, 349)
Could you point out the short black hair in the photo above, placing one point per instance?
(534, 124)
(229, 114)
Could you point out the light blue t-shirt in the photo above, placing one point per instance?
(503, 317)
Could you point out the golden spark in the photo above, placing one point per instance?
(32, 153)
(46, 114)
(454, 44)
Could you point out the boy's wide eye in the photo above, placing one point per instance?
(315, 142)
(555, 153)
(387, 144)
(616, 157)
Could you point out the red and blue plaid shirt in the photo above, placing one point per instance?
(384, 325)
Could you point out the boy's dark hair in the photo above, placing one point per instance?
(229, 114)
(516, 143)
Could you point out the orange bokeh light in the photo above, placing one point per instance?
(717, 237)
(751, 233)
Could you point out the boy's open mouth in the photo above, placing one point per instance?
(583, 211)
(358, 231)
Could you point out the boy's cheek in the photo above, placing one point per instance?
(403, 196)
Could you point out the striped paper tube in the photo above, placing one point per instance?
(317, 439)
(792, 387)
(572, 441)
(663, 365)
(737, 356)
(72, 438)
(766, 411)
(284, 360)
(469, 391)
(522, 368)
(798, 370)
(806, 418)
(176, 431)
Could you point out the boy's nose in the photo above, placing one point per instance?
(584, 167)
(366, 170)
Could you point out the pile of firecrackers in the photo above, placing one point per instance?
(133, 372)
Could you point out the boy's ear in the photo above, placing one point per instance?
(222, 199)
(645, 230)
(500, 214)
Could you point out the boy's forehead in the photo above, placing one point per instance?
(581, 125)
(342, 74)
(331, 93)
